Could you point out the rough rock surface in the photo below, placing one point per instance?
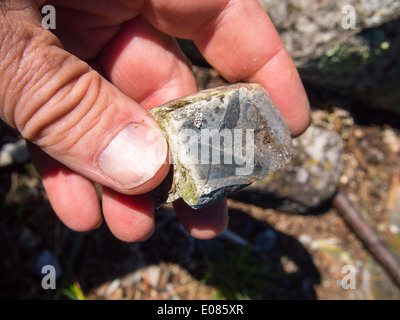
(221, 140)
(361, 62)
(309, 180)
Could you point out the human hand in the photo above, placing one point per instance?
(89, 126)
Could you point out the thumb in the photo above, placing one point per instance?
(77, 117)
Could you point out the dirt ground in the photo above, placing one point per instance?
(304, 256)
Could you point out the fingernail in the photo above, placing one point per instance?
(134, 156)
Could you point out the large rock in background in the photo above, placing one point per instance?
(362, 63)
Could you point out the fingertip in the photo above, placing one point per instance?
(205, 223)
(281, 79)
(129, 218)
(73, 199)
(300, 118)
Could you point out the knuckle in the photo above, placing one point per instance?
(59, 114)
(48, 95)
(24, 60)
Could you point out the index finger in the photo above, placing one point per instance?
(239, 40)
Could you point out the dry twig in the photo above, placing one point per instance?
(372, 241)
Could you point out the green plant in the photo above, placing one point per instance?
(238, 276)
(74, 292)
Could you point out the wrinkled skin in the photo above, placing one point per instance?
(72, 91)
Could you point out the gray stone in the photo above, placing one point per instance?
(308, 181)
(13, 153)
(221, 140)
(361, 63)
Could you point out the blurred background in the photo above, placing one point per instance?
(285, 238)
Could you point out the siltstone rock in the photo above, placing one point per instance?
(221, 140)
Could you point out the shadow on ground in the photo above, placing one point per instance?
(270, 265)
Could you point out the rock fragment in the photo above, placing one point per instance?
(221, 140)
